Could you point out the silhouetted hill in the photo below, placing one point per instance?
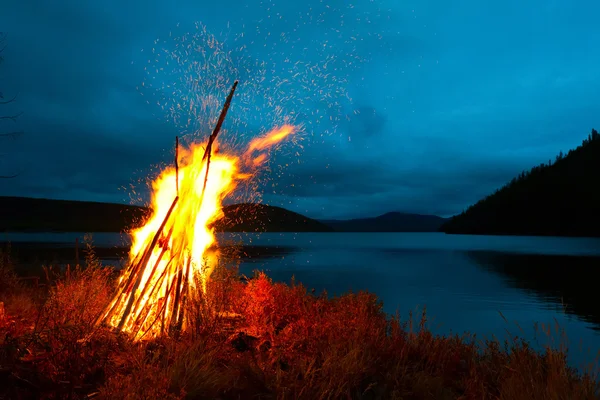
(22, 214)
(263, 218)
(554, 199)
(390, 222)
(30, 214)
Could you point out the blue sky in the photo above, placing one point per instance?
(435, 104)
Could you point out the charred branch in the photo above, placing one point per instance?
(161, 299)
(215, 132)
(213, 137)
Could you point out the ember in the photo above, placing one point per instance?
(168, 254)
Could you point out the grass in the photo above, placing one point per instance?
(282, 343)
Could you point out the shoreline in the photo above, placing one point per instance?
(284, 343)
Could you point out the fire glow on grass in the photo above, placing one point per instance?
(151, 291)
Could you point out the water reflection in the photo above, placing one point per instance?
(464, 291)
(565, 283)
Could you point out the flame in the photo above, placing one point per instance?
(271, 138)
(261, 143)
(159, 276)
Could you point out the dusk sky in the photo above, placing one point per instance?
(414, 106)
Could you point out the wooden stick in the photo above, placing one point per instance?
(161, 313)
(179, 285)
(178, 290)
(184, 294)
(170, 285)
(207, 154)
(159, 282)
(177, 164)
(213, 137)
(217, 129)
(143, 262)
(128, 281)
(164, 322)
(154, 268)
(126, 285)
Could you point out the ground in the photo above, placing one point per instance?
(256, 339)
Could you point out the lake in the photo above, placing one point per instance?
(466, 282)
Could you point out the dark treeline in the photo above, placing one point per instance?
(24, 214)
(560, 198)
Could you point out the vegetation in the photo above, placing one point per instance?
(256, 339)
(555, 199)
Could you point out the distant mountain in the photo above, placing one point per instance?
(249, 217)
(390, 222)
(24, 214)
(561, 198)
(21, 214)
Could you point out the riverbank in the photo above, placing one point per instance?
(284, 342)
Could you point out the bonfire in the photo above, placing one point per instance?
(168, 258)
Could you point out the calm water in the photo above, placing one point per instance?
(464, 281)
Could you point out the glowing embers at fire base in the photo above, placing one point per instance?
(167, 256)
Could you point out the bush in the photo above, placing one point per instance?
(9, 281)
(266, 340)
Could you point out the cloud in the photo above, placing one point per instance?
(447, 103)
(365, 121)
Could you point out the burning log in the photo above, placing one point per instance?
(128, 291)
(167, 252)
(143, 262)
(207, 153)
(213, 136)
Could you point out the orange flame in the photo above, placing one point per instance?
(267, 141)
(154, 284)
(271, 138)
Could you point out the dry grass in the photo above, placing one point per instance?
(263, 340)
